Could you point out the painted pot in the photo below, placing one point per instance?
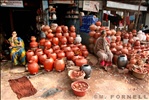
(122, 61)
(87, 69)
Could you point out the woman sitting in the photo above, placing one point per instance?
(101, 49)
(17, 51)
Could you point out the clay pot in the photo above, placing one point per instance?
(34, 58)
(97, 35)
(113, 38)
(91, 33)
(63, 40)
(47, 44)
(46, 28)
(66, 34)
(131, 40)
(92, 27)
(109, 33)
(59, 35)
(59, 65)
(60, 54)
(118, 33)
(72, 28)
(49, 31)
(65, 29)
(55, 41)
(39, 52)
(118, 38)
(80, 61)
(69, 54)
(87, 69)
(48, 50)
(113, 32)
(29, 54)
(58, 29)
(42, 41)
(50, 35)
(124, 51)
(33, 67)
(85, 53)
(98, 23)
(132, 61)
(70, 39)
(113, 50)
(73, 34)
(62, 46)
(119, 47)
(82, 47)
(42, 58)
(52, 55)
(126, 35)
(55, 47)
(137, 43)
(33, 42)
(76, 57)
(67, 49)
(102, 28)
(79, 88)
(49, 64)
(112, 44)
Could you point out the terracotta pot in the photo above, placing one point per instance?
(47, 44)
(97, 35)
(34, 58)
(70, 39)
(102, 28)
(62, 46)
(58, 29)
(82, 47)
(46, 28)
(80, 61)
(42, 58)
(72, 28)
(73, 34)
(42, 41)
(60, 54)
(29, 54)
(118, 38)
(39, 52)
(113, 50)
(79, 88)
(131, 40)
(124, 51)
(49, 31)
(59, 65)
(98, 23)
(76, 57)
(66, 34)
(50, 35)
(33, 42)
(55, 41)
(49, 64)
(66, 49)
(52, 55)
(65, 29)
(132, 61)
(126, 35)
(119, 47)
(109, 33)
(113, 32)
(85, 53)
(55, 47)
(118, 33)
(69, 54)
(58, 35)
(113, 38)
(33, 67)
(47, 51)
(137, 43)
(112, 44)
(92, 27)
(92, 33)
(63, 40)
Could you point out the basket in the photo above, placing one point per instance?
(138, 74)
(70, 72)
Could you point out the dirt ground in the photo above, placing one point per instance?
(104, 85)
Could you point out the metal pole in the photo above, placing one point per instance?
(138, 14)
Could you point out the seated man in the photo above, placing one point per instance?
(17, 51)
(101, 49)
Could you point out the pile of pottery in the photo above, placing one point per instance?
(60, 43)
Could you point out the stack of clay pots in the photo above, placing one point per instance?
(60, 42)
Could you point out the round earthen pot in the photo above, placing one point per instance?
(137, 43)
(85, 53)
(50, 35)
(70, 39)
(63, 40)
(72, 28)
(58, 29)
(48, 64)
(61, 54)
(80, 61)
(58, 35)
(66, 34)
(59, 65)
(98, 23)
(55, 41)
(73, 34)
(39, 52)
(52, 55)
(92, 33)
(47, 44)
(42, 41)
(42, 58)
(34, 58)
(48, 50)
(33, 67)
(56, 47)
(69, 54)
(33, 42)
(29, 54)
(65, 29)
(92, 27)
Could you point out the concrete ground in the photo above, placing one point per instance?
(104, 85)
